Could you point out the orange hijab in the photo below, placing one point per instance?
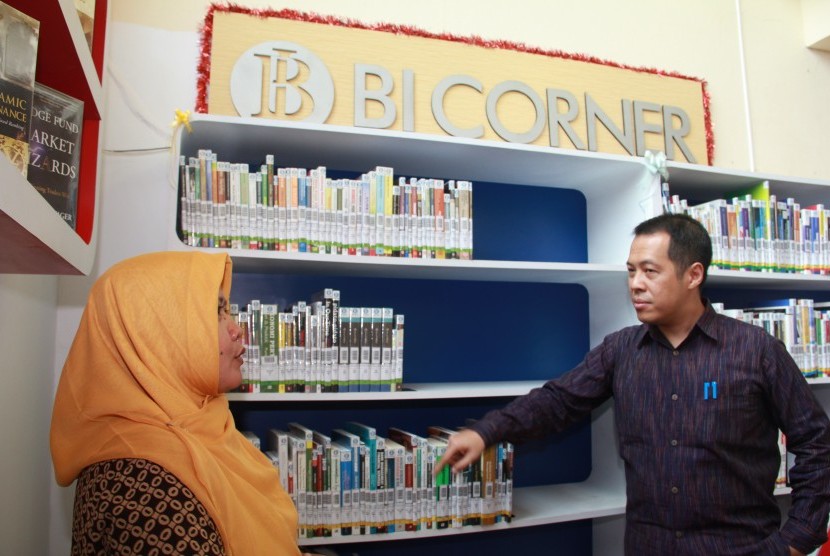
(141, 381)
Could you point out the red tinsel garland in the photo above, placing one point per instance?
(207, 39)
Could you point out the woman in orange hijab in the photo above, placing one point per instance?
(140, 419)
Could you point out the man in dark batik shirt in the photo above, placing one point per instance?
(699, 399)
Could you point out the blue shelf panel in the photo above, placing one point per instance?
(457, 331)
(527, 223)
(573, 539)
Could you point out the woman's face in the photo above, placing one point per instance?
(230, 348)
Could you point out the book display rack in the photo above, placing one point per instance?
(552, 232)
(38, 241)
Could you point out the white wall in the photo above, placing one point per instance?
(152, 55)
(27, 338)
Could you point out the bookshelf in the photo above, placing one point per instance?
(37, 240)
(617, 193)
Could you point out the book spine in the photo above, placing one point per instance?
(314, 381)
(355, 333)
(255, 326)
(398, 335)
(278, 442)
(243, 322)
(269, 352)
(369, 498)
(333, 343)
(344, 317)
(376, 349)
(365, 348)
(387, 382)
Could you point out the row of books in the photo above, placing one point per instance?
(320, 346)
(757, 231)
(354, 481)
(800, 325)
(297, 210)
(40, 128)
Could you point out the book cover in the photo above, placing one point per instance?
(19, 35)
(55, 148)
(86, 13)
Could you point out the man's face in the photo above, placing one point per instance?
(656, 290)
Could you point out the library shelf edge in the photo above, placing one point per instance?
(532, 506)
(694, 180)
(37, 241)
(425, 391)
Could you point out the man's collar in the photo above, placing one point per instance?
(707, 324)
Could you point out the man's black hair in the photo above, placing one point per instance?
(689, 241)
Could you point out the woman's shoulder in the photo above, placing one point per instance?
(127, 470)
(138, 504)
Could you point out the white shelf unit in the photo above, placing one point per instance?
(37, 240)
(428, 391)
(620, 192)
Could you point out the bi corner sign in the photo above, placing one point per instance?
(299, 67)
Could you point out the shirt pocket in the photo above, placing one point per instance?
(726, 411)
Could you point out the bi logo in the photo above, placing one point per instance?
(282, 76)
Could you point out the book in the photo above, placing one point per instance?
(86, 13)
(19, 35)
(254, 312)
(397, 352)
(355, 482)
(325, 492)
(344, 327)
(303, 210)
(354, 348)
(368, 436)
(365, 348)
(269, 348)
(376, 349)
(252, 438)
(441, 489)
(421, 516)
(358, 455)
(387, 374)
(348, 495)
(329, 339)
(278, 443)
(396, 454)
(320, 346)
